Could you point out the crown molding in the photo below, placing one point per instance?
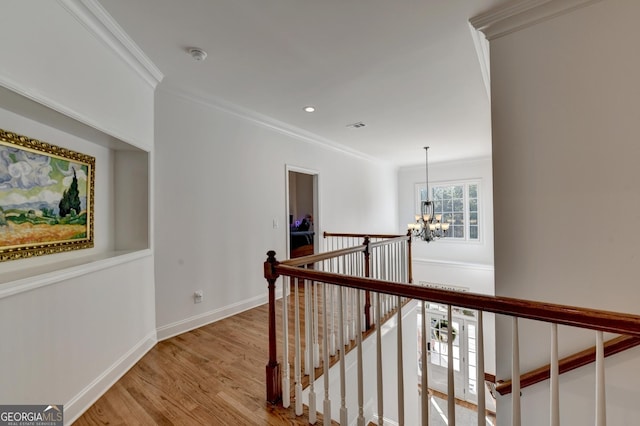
(266, 121)
(519, 14)
(97, 20)
(481, 45)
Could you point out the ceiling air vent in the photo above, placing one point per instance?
(356, 125)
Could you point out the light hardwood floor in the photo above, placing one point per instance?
(214, 375)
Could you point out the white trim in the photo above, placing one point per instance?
(98, 21)
(89, 265)
(94, 390)
(267, 122)
(519, 14)
(456, 265)
(481, 44)
(170, 330)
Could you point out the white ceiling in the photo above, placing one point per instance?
(408, 69)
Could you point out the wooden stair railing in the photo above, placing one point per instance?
(599, 321)
(580, 359)
(593, 319)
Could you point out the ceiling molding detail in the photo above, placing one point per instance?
(519, 14)
(97, 20)
(481, 45)
(266, 121)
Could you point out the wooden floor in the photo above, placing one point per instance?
(214, 375)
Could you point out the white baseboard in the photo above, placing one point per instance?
(92, 392)
(191, 323)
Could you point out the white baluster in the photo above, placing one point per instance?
(343, 391)
(354, 314)
(360, 324)
(480, 386)
(379, 358)
(347, 307)
(308, 342)
(312, 372)
(400, 367)
(515, 374)
(297, 367)
(316, 340)
(554, 389)
(360, 369)
(451, 388)
(601, 413)
(286, 381)
(332, 336)
(325, 369)
(424, 366)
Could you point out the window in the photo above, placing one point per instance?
(458, 204)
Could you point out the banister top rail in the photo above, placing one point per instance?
(390, 240)
(601, 320)
(314, 258)
(346, 234)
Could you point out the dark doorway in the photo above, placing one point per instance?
(302, 205)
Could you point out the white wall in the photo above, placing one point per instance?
(220, 185)
(565, 154)
(72, 323)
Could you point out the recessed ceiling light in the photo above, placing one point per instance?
(309, 108)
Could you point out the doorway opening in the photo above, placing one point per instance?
(463, 333)
(302, 209)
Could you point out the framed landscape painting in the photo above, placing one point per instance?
(46, 198)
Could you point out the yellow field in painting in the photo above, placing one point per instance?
(26, 233)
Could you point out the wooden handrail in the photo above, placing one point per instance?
(607, 321)
(390, 240)
(346, 234)
(314, 258)
(571, 362)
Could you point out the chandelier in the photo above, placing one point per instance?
(428, 226)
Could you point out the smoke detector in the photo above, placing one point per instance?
(197, 54)
(356, 125)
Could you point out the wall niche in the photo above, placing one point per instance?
(122, 191)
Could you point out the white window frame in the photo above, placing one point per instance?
(419, 187)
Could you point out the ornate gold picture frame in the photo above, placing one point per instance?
(46, 198)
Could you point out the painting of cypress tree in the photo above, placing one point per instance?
(70, 202)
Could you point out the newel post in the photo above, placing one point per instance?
(367, 273)
(274, 381)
